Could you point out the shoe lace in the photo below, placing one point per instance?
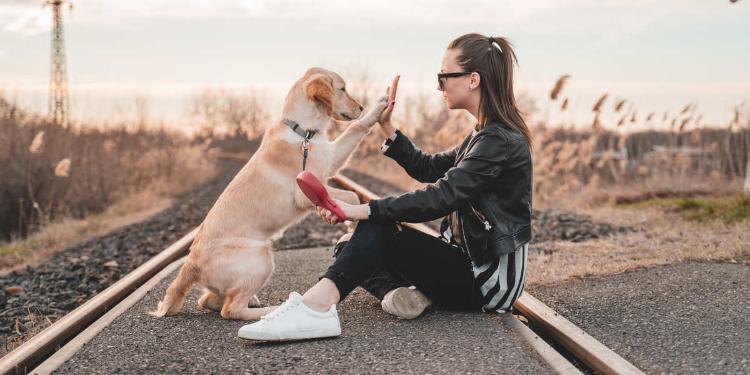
(286, 306)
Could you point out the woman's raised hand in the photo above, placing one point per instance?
(385, 117)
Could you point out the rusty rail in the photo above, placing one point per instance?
(587, 349)
(31, 353)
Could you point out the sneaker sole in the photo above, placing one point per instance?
(295, 336)
(409, 303)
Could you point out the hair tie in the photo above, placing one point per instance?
(493, 43)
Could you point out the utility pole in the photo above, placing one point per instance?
(58, 83)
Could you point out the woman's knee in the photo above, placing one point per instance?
(367, 227)
(369, 235)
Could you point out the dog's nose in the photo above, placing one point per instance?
(361, 107)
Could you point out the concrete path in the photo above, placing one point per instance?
(687, 318)
(372, 341)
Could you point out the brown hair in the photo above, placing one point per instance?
(495, 67)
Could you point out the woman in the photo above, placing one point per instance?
(482, 188)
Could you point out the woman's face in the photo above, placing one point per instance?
(458, 92)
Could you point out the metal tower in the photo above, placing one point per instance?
(58, 83)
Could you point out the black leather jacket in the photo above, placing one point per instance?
(495, 164)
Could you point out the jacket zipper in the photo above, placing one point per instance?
(487, 225)
(463, 233)
(471, 261)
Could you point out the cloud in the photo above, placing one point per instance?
(29, 18)
(30, 22)
(2, 54)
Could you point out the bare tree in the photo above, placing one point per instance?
(205, 110)
(223, 112)
(141, 111)
(244, 114)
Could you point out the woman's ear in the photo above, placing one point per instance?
(474, 79)
(319, 87)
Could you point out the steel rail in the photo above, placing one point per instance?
(585, 348)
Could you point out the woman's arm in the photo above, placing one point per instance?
(485, 161)
(482, 164)
(422, 166)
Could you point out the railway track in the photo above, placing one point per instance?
(51, 347)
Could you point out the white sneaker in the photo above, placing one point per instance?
(405, 303)
(293, 320)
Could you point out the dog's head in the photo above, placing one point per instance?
(327, 91)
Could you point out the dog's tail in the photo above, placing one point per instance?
(177, 291)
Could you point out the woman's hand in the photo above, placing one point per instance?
(351, 211)
(385, 117)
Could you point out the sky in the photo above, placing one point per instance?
(660, 55)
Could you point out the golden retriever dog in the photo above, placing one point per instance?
(231, 256)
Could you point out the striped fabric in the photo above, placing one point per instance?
(500, 281)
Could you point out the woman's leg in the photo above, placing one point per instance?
(425, 260)
(382, 257)
(439, 269)
(362, 257)
(381, 281)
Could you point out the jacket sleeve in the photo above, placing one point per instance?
(481, 165)
(422, 166)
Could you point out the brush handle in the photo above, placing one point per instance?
(317, 193)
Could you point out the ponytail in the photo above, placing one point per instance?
(493, 59)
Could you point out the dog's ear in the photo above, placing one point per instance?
(319, 87)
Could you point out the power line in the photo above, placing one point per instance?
(58, 83)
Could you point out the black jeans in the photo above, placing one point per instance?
(381, 257)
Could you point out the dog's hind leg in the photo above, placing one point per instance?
(211, 301)
(175, 296)
(246, 269)
(235, 307)
(254, 302)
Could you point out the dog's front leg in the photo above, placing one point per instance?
(345, 144)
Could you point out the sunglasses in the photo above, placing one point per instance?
(441, 77)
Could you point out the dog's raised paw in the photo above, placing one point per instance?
(372, 115)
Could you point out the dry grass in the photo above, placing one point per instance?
(51, 173)
(66, 231)
(33, 323)
(61, 186)
(665, 238)
(606, 164)
(574, 168)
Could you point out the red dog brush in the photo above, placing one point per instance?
(318, 194)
